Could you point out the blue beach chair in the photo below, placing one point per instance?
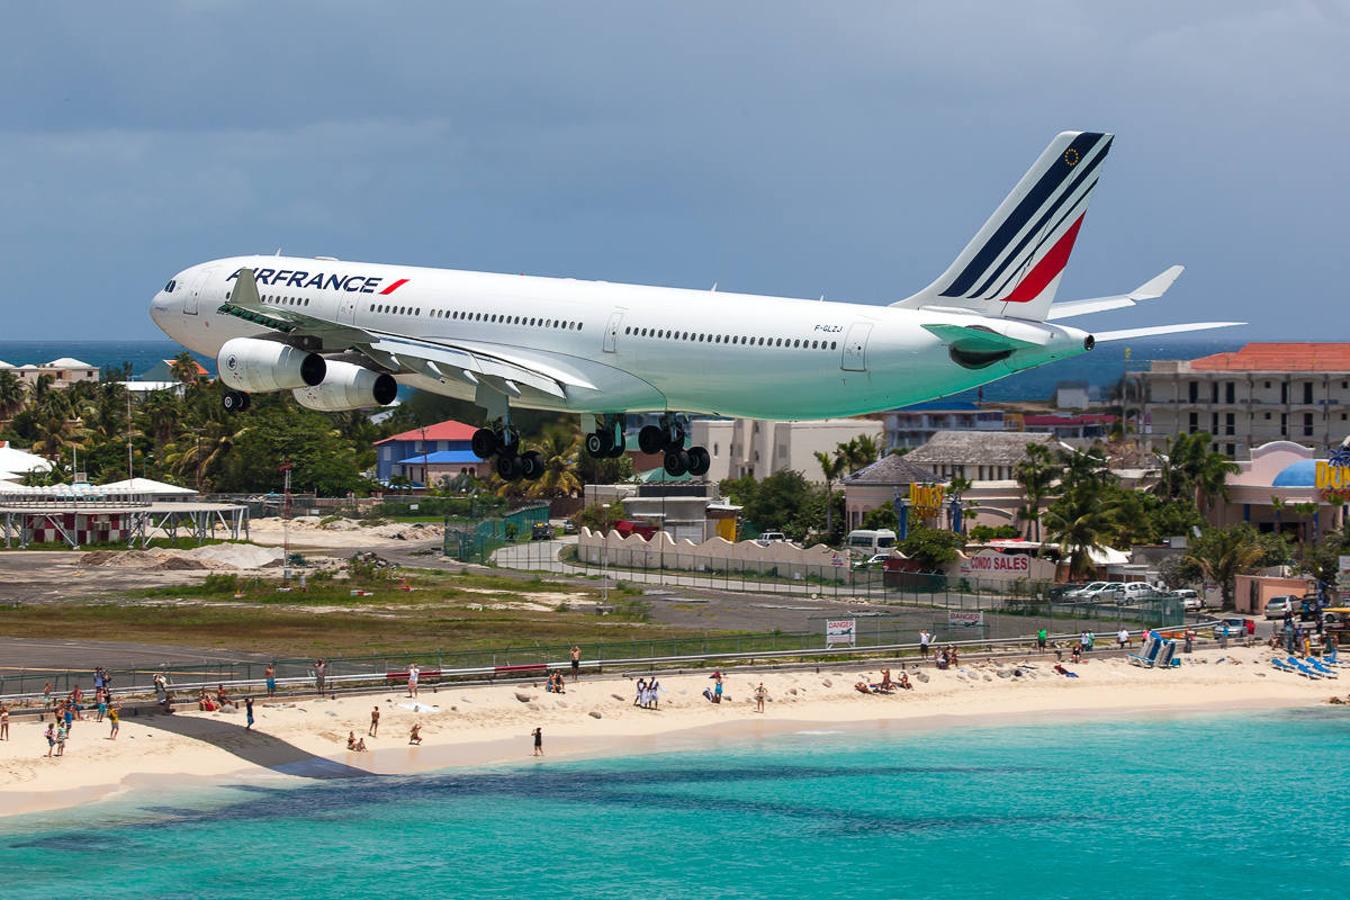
(1284, 666)
(1302, 669)
(1316, 665)
(1148, 655)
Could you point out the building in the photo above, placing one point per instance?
(1073, 395)
(1076, 431)
(760, 447)
(62, 372)
(435, 452)
(977, 456)
(879, 484)
(1246, 398)
(914, 425)
(1276, 489)
(163, 372)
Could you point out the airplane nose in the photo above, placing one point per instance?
(159, 310)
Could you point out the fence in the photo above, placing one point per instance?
(881, 635)
(475, 540)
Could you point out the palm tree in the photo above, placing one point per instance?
(859, 452)
(13, 393)
(184, 368)
(1222, 554)
(197, 453)
(1079, 523)
(559, 450)
(1188, 466)
(1035, 473)
(833, 468)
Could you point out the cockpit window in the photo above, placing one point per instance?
(168, 288)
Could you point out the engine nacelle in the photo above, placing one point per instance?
(347, 386)
(257, 367)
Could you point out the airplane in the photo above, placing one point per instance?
(344, 335)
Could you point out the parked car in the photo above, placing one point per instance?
(1135, 591)
(1109, 591)
(570, 526)
(771, 537)
(1190, 600)
(542, 531)
(873, 562)
(1279, 607)
(1236, 627)
(1083, 591)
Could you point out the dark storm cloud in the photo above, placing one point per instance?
(793, 148)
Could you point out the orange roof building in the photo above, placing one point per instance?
(1266, 391)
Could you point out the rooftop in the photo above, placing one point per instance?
(893, 469)
(442, 458)
(1282, 356)
(449, 430)
(1005, 448)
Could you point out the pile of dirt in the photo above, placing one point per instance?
(213, 557)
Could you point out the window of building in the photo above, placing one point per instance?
(1284, 392)
(1193, 391)
(1229, 392)
(1229, 424)
(1307, 392)
(1214, 392)
(1230, 450)
(1284, 424)
(1194, 424)
(1307, 424)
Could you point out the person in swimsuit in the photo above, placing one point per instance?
(61, 732)
(538, 735)
(248, 712)
(415, 735)
(412, 680)
(374, 722)
(270, 673)
(50, 735)
(761, 694)
(351, 740)
(576, 662)
(115, 720)
(4, 722)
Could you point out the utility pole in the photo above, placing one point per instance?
(130, 473)
(285, 469)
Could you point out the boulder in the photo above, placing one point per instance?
(595, 714)
(523, 697)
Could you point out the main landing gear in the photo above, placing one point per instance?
(234, 401)
(607, 441)
(503, 442)
(668, 438)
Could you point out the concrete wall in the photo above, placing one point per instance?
(715, 554)
(1252, 592)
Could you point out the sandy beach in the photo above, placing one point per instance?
(597, 716)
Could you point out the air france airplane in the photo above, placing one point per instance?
(343, 335)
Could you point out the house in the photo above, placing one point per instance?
(61, 372)
(163, 372)
(433, 452)
(876, 486)
(991, 456)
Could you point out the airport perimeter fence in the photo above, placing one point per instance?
(473, 539)
(844, 583)
(889, 632)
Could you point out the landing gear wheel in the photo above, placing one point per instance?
(234, 401)
(675, 439)
(508, 467)
(484, 443)
(699, 461)
(531, 465)
(598, 444)
(676, 463)
(651, 439)
(618, 448)
(508, 441)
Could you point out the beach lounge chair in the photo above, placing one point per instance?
(1316, 665)
(1284, 666)
(1302, 669)
(1148, 655)
(1167, 655)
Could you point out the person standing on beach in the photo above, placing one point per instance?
(761, 694)
(320, 670)
(1190, 640)
(1123, 637)
(412, 680)
(248, 713)
(1041, 636)
(576, 662)
(61, 733)
(374, 730)
(114, 722)
(270, 673)
(4, 722)
(924, 640)
(50, 735)
(538, 735)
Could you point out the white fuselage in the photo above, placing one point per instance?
(637, 348)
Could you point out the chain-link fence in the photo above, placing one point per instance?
(474, 540)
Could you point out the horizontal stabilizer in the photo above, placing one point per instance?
(1131, 333)
(975, 340)
(1150, 290)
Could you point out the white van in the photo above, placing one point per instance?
(867, 542)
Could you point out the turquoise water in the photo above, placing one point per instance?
(1244, 805)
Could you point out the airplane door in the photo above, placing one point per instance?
(855, 347)
(612, 330)
(346, 313)
(197, 289)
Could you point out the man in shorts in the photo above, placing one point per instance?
(576, 662)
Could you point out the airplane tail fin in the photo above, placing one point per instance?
(1013, 265)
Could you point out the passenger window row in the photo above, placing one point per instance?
(276, 300)
(740, 339)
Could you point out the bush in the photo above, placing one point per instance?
(220, 583)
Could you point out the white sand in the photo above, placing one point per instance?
(476, 725)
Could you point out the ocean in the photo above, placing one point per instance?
(1240, 805)
(1101, 368)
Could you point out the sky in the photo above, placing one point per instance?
(791, 148)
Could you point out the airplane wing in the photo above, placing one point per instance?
(1150, 290)
(1131, 333)
(504, 369)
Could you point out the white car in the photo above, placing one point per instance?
(771, 537)
(1086, 590)
(1109, 590)
(1133, 591)
(1190, 600)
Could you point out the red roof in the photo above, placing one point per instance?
(449, 430)
(1279, 357)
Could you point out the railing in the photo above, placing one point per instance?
(683, 655)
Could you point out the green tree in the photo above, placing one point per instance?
(832, 467)
(1188, 467)
(932, 548)
(1082, 519)
(13, 393)
(559, 449)
(1219, 555)
(1036, 475)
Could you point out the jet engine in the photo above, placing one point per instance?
(256, 367)
(347, 386)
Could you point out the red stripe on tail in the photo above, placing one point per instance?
(1045, 271)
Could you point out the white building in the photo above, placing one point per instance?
(63, 372)
(761, 447)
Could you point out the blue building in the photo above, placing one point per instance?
(426, 455)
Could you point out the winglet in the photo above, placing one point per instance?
(1156, 286)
